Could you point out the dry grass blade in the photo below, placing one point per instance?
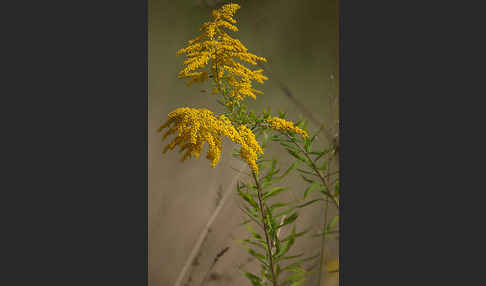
(205, 232)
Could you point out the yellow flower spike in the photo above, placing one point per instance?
(216, 51)
(194, 127)
(284, 125)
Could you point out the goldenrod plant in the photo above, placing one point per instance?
(217, 57)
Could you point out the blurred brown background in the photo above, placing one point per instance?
(300, 40)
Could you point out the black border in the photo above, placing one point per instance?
(75, 125)
(75, 180)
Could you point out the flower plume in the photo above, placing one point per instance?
(216, 54)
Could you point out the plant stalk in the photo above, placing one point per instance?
(323, 244)
(314, 167)
(267, 240)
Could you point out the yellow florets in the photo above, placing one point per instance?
(215, 49)
(194, 127)
(284, 125)
(250, 149)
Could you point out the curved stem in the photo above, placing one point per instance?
(314, 167)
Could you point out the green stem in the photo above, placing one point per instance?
(314, 167)
(267, 239)
(323, 244)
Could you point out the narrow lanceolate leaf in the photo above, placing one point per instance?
(297, 277)
(278, 205)
(255, 254)
(278, 270)
(285, 212)
(286, 247)
(294, 265)
(290, 169)
(248, 198)
(289, 220)
(307, 143)
(307, 172)
(298, 283)
(290, 146)
(297, 234)
(273, 192)
(251, 212)
(255, 280)
(267, 183)
(254, 242)
(310, 258)
(277, 243)
(319, 156)
(324, 165)
(332, 223)
(295, 155)
(270, 174)
(289, 257)
(306, 179)
(308, 203)
(309, 189)
(255, 220)
(253, 232)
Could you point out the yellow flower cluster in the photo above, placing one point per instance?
(284, 125)
(216, 49)
(194, 127)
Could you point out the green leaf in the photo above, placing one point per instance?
(297, 277)
(324, 191)
(332, 223)
(254, 242)
(324, 165)
(286, 247)
(278, 270)
(290, 169)
(289, 257)
(253, 232)
(292, 266)
(285, 212)
(247, 198)
(307, 145)
(297, 283)
(296, 234)
(278, 205)
(251, 218)
(321, 154)
(308, 203)
(306, 179)
(309, 189)
(295, 155)
(273, 192)
(255, 280)
(255, 254)
(288, 220)
(307, 172)
(292, 147)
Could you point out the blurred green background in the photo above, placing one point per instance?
(299, 38)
